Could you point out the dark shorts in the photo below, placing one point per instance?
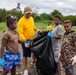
(69, 68)
(26, 51)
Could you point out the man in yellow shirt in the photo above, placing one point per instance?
(26, 30)
(49, 27)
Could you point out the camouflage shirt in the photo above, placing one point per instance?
(68, 49)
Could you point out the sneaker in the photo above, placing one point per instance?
(25, 72)
(9, 74)
(33, 64)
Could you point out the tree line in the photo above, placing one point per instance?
(44, 17)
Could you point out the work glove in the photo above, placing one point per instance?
(1, 62)
(49, 34)
(73, 60)
(27, 43)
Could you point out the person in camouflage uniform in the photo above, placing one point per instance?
(68, 49)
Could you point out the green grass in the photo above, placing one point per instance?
(3, 26)
(39, 25)
(43, 26)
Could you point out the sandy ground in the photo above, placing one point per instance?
(31, 69)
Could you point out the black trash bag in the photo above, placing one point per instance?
(42, 49)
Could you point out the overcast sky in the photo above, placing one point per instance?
(66, 7)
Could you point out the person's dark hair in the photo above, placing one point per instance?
(9, 20)
(67, 21)
(8, 16)
(49, 21)
(57, 16)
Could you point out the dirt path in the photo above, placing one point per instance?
(32, 71)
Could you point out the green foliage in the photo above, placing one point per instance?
(53, 13)
(70, 17)
(37, 17)
(39, 25)
(17, 13)
(3, 26)
(18, 7)
(3, 13)
(42, 17)
(45, 17)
